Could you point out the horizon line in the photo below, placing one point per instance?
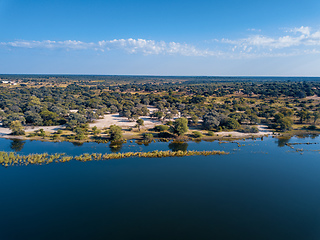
(155, 75)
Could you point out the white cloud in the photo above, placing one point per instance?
(302, 29)
(296, 41)
(253, 30)
(68, 44)
(130, 45)
(152, 47)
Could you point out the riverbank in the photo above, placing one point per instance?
(50, 134)
(130, 132)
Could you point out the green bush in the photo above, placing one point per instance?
(161, 128)
(231, 123)
(197, 134)
(248, 129)
(147, 136)
(312, 127)
(210, 133)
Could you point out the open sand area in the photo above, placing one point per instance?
(115, 119)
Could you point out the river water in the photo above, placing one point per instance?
(263, 189)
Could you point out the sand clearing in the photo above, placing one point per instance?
(115, 119)
(263, 130)
(314, 97)
(7, 131)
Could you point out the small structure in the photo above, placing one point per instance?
(8, 82)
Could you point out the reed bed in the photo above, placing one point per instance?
(12, 159)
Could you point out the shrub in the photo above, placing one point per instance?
(147, 136)
(312, 127)
(197, 134)
(161, 128)
(210, 133)
(231, 123)
(248, 129)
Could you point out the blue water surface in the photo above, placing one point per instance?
(262, 190)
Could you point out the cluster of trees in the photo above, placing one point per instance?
(218, 121)
(217, 103)
(179, 127)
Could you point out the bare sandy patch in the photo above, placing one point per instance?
(123, 122)
(314, 97)
(6, 131)
(46, 129)
(263, 130)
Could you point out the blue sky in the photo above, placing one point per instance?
(217, 38)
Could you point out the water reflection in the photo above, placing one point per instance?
(77, 144)
(282, 141)
(145, 143)
(17, 145)
(311, 135)
(115, 146)
(177, 146)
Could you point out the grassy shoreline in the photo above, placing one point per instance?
(138, 136)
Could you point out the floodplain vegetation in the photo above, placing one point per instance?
(13, 159)
(188, 107)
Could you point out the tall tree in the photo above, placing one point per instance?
(140, 123)
(115, 133)
(17, 128)
(180, 126)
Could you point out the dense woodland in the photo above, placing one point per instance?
(208, 103)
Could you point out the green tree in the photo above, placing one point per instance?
(13, 117)
(180, 126)
(74, 120)
(281, 122)
(194, 119)
(33, 118)
(285, 123)
(140, 123)
(254, 119)
(34, 101)
(96, 131)
(303, 115)
(49, 118)
(212, 120)
(231, 123)
(17, 128)
(115, 133)
(286, 111)
(42, 133)
(158, 115)
(147, 137)
(316, 116)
